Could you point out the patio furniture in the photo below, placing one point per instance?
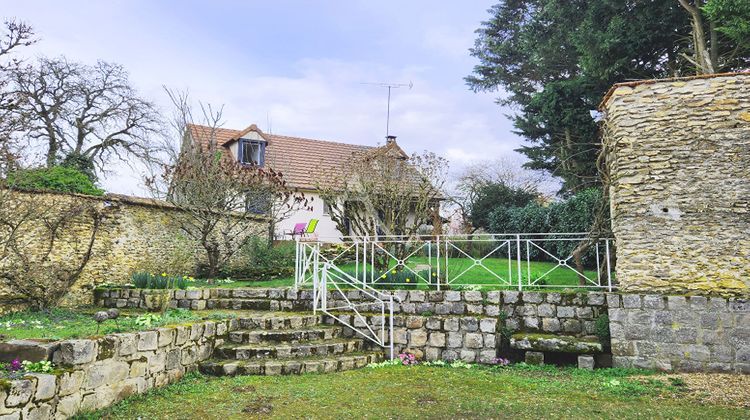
(299, 229)
(310, 228)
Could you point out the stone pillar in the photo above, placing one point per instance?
(678, 155)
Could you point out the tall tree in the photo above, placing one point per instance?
(15, 35)
(83, 115)
(555, 59)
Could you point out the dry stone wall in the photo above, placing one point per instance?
(678, 154)
(435, 325)
(135, 234)
(96, 373)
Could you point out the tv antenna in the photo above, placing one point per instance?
(388, 112)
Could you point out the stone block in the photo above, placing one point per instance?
(469, 324)
(488, 325)
(554, 297)
(437, 339)
(147, 340)
(473, 340)
(494, 296)
(434, 323)
(20, 393)
(70, 382)
(571, 326)
(550, 324)
(46, 386)
(584, 312)
(435, 296)
(417, 296)
(533, 297)
(417, 338)
(31, 350)
(414, 322)
(474, 309)
(473, 296)
(451, 324)
(595, 298)
(198, 305)
(491, 310)
(455, 340)
(399, 336)
(677, 302)
(653, 302)
(546, 310)
(468, 356)
(510, 297)
(458, 308)
(566, 312)
(698, 303)
(534, 358)
(443, 309)
(452, 296)
(531, 323)
(586, 362)
(631, 301)
(613, 300)
(75, 352)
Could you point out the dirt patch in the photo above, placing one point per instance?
(426, 399)
(710, 388)
(261, 405)
(244, 389)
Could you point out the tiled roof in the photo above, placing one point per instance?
(303, 162)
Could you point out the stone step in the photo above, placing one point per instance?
(287, 351)
(279, 321)
(247, 304)
(257, 336)
(290, 366)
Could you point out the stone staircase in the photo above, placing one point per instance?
(283, 343)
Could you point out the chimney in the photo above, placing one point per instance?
(389, 139)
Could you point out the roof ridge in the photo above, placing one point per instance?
(321, 141)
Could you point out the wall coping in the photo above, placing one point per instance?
(604, 103)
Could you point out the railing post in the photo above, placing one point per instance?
(609, 269)
(297, 267)
(324, 289)
(518, 261)
(390, 326)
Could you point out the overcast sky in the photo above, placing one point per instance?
(298, 64)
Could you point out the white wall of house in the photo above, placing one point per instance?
(326, 229)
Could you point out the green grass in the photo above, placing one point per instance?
(59, 324)
(423, 392)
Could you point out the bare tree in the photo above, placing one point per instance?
(383, 191)
(224, 204)
(45, 243)
(16, 35)
(506, 171)
(85, 114)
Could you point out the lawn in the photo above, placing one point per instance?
(59, 324)
(417, 392)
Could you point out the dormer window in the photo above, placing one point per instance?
(252, 152)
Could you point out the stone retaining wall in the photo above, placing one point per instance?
(680, 333)
(438, 325)
(678, 157)
(96, 373)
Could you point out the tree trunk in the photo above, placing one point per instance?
(702, 57)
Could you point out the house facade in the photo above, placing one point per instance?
(303, 163)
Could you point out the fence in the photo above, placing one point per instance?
(509, 261)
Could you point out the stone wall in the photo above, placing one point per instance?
(693, 333)
(135, 234)
(437, 325)
(678, 155)
(99, 372)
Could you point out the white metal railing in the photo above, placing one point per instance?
(382, 302)
(518, 261)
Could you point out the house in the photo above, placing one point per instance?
(303, 162)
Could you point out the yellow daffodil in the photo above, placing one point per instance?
(393, 271)
(164, 274)
(408, 280)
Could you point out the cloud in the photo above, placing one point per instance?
(257, 72)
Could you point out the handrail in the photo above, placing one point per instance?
(320, 301)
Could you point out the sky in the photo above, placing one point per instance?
(296, 68)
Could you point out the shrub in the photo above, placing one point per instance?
(260, 261)
(399, 279)
(56, 178)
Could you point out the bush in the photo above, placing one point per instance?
(260, 261)
(56, 178)
(399, 279)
